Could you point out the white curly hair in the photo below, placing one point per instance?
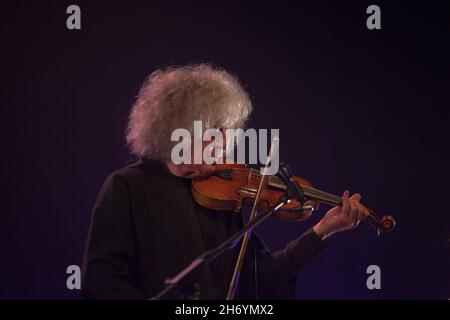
(177, 96)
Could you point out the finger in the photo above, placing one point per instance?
(356, 197)
(364, 212)
(353, 213)
(345, 204)
(361, 213)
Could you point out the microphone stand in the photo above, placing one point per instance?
(210, 255)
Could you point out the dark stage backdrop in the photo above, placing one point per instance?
(358, 109)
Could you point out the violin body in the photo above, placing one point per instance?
(236, 185)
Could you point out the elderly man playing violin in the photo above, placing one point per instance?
(146, 225)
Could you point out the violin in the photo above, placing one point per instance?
(232, 186)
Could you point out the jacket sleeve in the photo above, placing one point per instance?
(109, 256)
(278, 271)
(299, 251)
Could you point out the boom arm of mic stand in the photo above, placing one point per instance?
(210, 255)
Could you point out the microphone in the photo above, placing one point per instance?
(285, 174)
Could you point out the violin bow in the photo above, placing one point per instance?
(240, 259)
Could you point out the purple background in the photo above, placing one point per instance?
(357, 109)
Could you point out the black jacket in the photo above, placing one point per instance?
(146, 227)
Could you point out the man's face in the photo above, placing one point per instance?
(200, 170)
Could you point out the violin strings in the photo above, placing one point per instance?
(315, 193)
(309, 190)
(321, 195)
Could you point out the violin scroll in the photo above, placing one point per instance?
(382, 225)
(387, 223)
